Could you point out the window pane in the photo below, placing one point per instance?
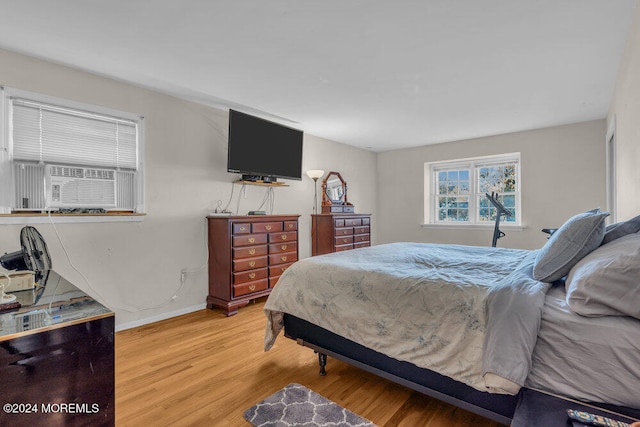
(442, 202)
(461, 191)
(451, 184)
(485, 214)
(509, 201)
(488, 212)
(497, 179)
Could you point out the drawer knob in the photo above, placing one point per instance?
(345, 240)
(252, 263)
(252, 287)
(268, 227)
(283, 247)
(290, 225)
(283, 258)
(252, 239)
(252, 251)
(252, 275)
(283, 269)
(283, 236)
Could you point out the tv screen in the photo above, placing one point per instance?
(263, 150)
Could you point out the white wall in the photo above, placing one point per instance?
(134, 268)
(562, 169)
(625, 108)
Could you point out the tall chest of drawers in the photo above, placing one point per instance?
(334, 232)
(247, 255)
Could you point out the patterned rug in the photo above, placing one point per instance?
(296, 405)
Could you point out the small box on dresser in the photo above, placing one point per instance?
(335, 232)
(247, 255)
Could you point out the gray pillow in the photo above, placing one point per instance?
(577, 237)
(619, 229)
(607, 281)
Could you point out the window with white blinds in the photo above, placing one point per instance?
(63, 155)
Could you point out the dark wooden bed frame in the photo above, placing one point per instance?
(498, 407)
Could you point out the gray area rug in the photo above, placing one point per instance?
(296, 405)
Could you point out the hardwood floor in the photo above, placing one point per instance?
(204, 369)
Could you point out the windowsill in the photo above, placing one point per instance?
(452, 226)
(44, 218)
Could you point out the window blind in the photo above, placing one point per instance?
(54, 134)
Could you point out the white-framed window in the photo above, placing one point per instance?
(456, 190)
(58, 155)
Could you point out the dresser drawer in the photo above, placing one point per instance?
(340, 248)
(250, 287)
(250, 276)
(358, 238)
(353, 222)
(249, 239)
(339, 222)
(366, 220)
(362, 244)
(344, 231)
(285, 236)
(290, 225)
(276, 248)
(277, 270)
(282, 258)
(361, 230)
(343, 240)
(266, 227)
(249, 251)
(249, 263)
(241, 228)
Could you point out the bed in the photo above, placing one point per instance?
(475, 326)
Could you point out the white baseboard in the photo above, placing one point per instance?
(159, 317)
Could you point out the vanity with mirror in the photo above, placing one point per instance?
(334, 194)
(338, 227)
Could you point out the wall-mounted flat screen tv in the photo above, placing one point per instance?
(261, 150)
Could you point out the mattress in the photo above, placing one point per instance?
(586, 358)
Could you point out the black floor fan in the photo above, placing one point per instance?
(33, 254)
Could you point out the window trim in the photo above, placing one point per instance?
(430, 207)
(6, 95)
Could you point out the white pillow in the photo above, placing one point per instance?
(606, 282)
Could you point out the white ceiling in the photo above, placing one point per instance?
(370, 73)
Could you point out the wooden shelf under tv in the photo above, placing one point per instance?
(266, 184)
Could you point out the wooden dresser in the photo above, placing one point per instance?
(247, 255)
(333, 232)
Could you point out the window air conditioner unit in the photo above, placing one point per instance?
(79, 187)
